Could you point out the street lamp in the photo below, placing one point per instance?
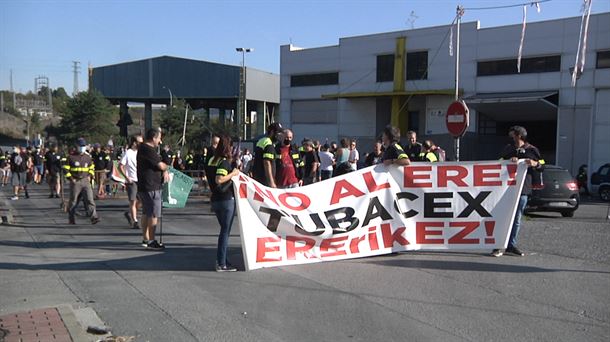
(242, 88)
(171, 97)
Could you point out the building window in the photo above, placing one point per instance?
(314, 111)
(385, 68)
(417, 65)
(487, 126)
(314, 79)
(603, 59)
(413, 122)
(528, 66)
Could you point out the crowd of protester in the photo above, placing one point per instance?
(276, 161)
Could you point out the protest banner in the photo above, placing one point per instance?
(379, 210)
(117, 174)
(177, 190)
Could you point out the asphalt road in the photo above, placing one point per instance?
(559, 292)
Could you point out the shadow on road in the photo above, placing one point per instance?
(471, 266)
(174, 258)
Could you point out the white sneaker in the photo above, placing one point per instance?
(14, 198)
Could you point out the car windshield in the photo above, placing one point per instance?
(551, 175)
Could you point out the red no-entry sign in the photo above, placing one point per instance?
(457, 118)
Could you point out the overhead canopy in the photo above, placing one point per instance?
(522, 106)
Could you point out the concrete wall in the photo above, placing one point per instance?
(262, 86)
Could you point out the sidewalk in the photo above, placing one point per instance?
(33, 326)
(55, 277)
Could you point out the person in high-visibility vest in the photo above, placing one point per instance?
(263, 167)
(393, 153)
(79, 171)
(427, 154)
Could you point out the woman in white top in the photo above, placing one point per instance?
(327, 160)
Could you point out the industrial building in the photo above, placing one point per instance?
(203, 85)
(357, 87)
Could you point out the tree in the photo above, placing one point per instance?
(198, 129)
(60, 93)
(88, 115)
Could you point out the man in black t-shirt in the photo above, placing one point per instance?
(53, 170)
(375, 157)
(312, 162)
(414, 150)
(151, 173)
(393, 154)
(521, 149)
(263, 163)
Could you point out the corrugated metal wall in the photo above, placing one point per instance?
(185, 77)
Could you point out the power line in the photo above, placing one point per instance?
(531, 3)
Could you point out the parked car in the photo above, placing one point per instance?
(600, 182)
(558, 192)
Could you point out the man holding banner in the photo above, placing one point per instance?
(521, 149)
(150, 171)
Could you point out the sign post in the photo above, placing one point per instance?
(457, 121)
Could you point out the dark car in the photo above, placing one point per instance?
(600, 182)
(558, 192)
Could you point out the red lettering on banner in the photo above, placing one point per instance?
(262, 249)
(390, 237)
(457, 179)
(305, 201)
(489, 230)
(259, 194)
(338, 192)
(410, 176)
(292, 249)
(371, 184)
(354, 244)
(243, 190)
(459, 237)
(373, 243)
(422, 232)
(333, 243)
(481, 177)
(512, 174)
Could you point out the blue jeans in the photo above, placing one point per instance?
(224, 211)
(326, 174)
(514, 232)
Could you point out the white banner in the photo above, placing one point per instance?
(379, 210)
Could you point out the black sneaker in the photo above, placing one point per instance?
(225, 268)
(155, 245)
(51, 196)
(128, 217)
(27, 194)
(514, 250)
(144, 243)
(56, 195)
(136, 225)
(497, 253)
(95, 220)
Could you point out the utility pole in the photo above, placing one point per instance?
(459, 14)
(243, 101)
(76, 71)
(13, 91)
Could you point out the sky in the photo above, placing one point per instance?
(44, 37)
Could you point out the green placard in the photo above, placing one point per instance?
(176, 191)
